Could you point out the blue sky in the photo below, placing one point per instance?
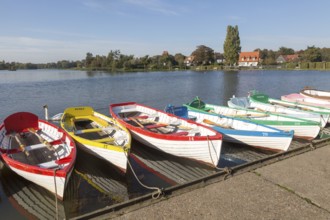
(41, 31)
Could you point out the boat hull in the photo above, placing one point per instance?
(52, 175)
(117, 158)
(255, 103)
(247, 132)
(302, 128)
(298, 98)
(205, 148)
(114, 140)
(315, 93)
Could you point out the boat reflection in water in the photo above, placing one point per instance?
(95, 184)
(159, 169)
(29, 199)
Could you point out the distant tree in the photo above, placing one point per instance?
(203, 55)
(268, 57)
(89, 59)
(325, 53)
(145, 61)
(312, 54)
(232, 45)
(285, 51)
(179, 59)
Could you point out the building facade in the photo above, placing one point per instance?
(249, 59)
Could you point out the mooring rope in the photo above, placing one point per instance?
(210, 153)
(227, 170)
(158, 192)
(323, 119)
(56, 205)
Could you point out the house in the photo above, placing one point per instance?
(219, 58)
(287, 58)
(189, 60)
(249, 58)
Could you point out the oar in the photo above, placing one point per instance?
(294, 106)
(49, 146)
(261, 110)
(206, 121)
(166, 124)
(21, 145)
(248, 115)
(136, 122)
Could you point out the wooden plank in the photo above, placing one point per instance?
(107, 139)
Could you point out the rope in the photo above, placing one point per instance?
(227, 170)
(210, 153)
(56, 205)
(159, 192)
(323, 119)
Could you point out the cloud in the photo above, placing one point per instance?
(123, 6)
(39, 50)
(153, 5)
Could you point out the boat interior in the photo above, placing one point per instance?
(137, 119)
(28, 148)
(90, 130)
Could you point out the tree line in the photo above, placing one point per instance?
(202, 55)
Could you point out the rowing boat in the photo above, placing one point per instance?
(98, 134)
(305, 100)
(168, 133)
(38, 151)
(237, 130)
(258, 101)
(304, 129)
(315, 93)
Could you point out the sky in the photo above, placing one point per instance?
(43, 31)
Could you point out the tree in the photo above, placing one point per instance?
(268, 57)
(232, 45)
(312, 54)
(179, 59)
(203, 55)
(89, 59)
(285, 51)
(325, 52)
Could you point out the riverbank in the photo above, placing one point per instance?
(294, 188)
(312, 66)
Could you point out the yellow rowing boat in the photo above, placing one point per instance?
(98, 134)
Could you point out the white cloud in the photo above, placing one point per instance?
(37, 50)
(120, 6)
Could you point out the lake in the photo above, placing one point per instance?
(95, 186)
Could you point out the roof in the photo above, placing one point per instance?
(291, 57)
(248, 56)
(288, 58)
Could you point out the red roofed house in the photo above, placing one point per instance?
(249, 58)
(287, 58)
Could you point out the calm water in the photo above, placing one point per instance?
(30, 90)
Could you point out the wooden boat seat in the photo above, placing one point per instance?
(34, 147)
(48, 165)
(155, 126)
(107, 139)
(88, 130)
(128, 110)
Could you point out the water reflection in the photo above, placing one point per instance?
(29, 200)
(94, 184)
